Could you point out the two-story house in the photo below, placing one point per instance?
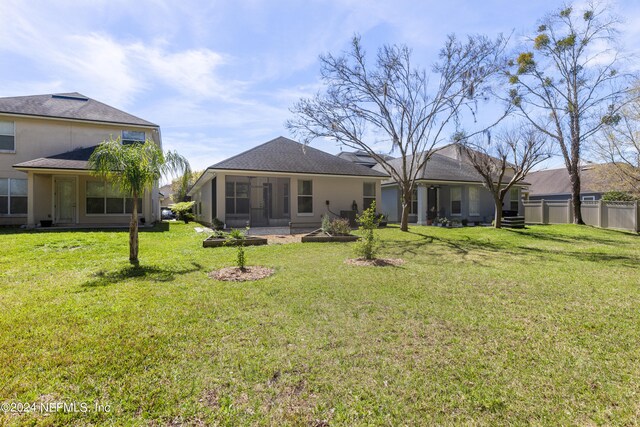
(45, 143)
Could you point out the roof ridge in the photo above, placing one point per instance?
(248, 151)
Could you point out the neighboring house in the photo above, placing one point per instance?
(282, 182)
(45, 142)
(448, 186)
(555, 184)
(166, 195)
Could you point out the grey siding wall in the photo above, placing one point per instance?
(390, 203)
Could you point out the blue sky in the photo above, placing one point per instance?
(219, 77)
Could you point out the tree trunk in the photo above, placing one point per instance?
(498, 216)
(404, 221)
(406, 200)
(575, 196)
(133, 232)
(574, 171)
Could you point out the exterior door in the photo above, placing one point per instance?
(65, 200)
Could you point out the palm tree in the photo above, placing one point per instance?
(135, 168)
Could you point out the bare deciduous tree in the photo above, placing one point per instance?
(394, 104)
(505, 160)
(568, 85)
(620, 145)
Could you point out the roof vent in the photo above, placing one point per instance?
(72, 97)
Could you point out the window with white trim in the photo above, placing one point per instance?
(456, 200)
(285, 198)
(13, 196)
(236, 197)
(514, 199)
(7, 137)
(104, 198)
(368, 194)
(132, 137)
(588, 198)
(474, 201)
(413, 203)
(305, 196)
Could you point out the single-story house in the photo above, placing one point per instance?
(45, 142)
(447, 187)
(283, 182)
(555, 184)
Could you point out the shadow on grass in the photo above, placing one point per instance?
(156, 274)
(466, 246)
(159, 227)
(527, 232)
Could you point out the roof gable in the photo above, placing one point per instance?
(73, 106)
(285, 155)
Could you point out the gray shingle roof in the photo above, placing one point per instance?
(361, 157)
(285, 155)
(556, 181)
(443, 168)
(75, 159)
(68, 106)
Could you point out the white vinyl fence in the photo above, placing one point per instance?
(618, 215)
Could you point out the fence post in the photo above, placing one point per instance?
(637, 219)
(542, 212)
(600, 213)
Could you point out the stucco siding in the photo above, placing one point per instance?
(42, 137)
(340, 192)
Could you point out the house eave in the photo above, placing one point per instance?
(67, 119)
(213, 172)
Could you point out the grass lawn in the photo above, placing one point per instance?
(480, 326)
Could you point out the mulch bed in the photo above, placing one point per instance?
(235, 274)
(377, 262)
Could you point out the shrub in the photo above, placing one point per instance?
(368, 245)
(235, 235)
(326, 224)
(465, 222)
(618, 196)
(340, 226)
(183, 211)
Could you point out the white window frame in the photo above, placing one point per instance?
(9, 196)
(512, 200)
(128, 141)
(286, 207)
(474, 202)
(459, 191)
(413, 205)
(235, 198)
(366, 196)
(104, 211)
(13, 135)
(300, 187)
(588, 198)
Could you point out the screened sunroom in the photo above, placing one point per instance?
(257, 201)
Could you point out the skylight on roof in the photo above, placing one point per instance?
(72, 97)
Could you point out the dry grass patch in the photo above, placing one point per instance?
(376, 262)
(237, 274)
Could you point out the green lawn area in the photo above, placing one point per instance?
(480, 326)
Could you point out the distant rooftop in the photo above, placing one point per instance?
(68, 106)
